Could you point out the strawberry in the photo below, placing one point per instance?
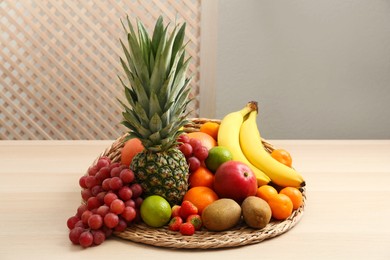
(175, 211)
(195, 220)
(187, 209)
(175, 223)
(187, 229)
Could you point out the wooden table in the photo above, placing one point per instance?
(347, 214)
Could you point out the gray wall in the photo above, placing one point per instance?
(319, 69)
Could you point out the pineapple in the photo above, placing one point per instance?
(157, 97)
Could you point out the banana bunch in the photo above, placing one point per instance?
(239, 133)
(229, 136)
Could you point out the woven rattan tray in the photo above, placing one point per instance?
(239, 236)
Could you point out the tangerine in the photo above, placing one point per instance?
(207, 140)
(282, 156)
(265, 192)
(201, 197)
(201, 177)
(281, 206)
(294, 194)
(131, 148)
(210, 128)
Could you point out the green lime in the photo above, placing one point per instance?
(217, 156)
(155, 211)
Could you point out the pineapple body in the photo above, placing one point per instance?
(163, 173)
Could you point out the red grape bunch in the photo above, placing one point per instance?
(112, 202)
(193, 150)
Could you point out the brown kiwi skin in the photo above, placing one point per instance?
(256, 212)
(221, 215)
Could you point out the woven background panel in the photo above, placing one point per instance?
(59, 62)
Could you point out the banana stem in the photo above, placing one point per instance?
(250, 106)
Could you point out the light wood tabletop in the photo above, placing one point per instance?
(347, 214)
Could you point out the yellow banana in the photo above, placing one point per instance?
(252, 146)
(228, 136)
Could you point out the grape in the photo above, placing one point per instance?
(136, 189)
(111, 220)
(93, 170)
(112, 201)
(138, 201)
(122, 225)
(194, 163)
(96, 190)
(109, 198)
(86, 239)
(103, 174)
(116, 183)
(98, 237)
(107, 231)
(72, 222)
(100, 196)
(183, 139)
(129, 213)
(195, 143)
(86, 215)
(115, 172)
(82, 182)
(106, 184)
(117, 206)
(80, 224)
(125, 193)
(95, 221)
(86, 194)
(201, 153)
(102, 162)
(103, 210)
(93, 203)
(130, 203)
(114, 165)
(91, 181)
(186, 149)
(81, 209)
(74, 234)
(127, 175)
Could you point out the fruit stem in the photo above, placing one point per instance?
(250, 106)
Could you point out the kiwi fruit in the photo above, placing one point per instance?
(256, 212)
(221, 215)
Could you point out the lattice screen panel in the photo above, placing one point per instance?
(59, 62)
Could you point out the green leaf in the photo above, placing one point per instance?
(154, 105)
(142, 115)
(157, 34)
(155, 138)
(145, 44)
(177, 45)
(141, 69)
(155, 123)
(180, 79)
(128, 58)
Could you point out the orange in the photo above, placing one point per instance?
(201, 177)
(210, 128)
(282, 156)
(294, 194)
(201, 197)
(207, 140)
(266, 192)
(281, 206)
(131, 148)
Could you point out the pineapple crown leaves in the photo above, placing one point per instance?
(158, 92)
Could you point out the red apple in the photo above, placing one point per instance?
(235, 180)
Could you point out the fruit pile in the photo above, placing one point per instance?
(213, 179)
